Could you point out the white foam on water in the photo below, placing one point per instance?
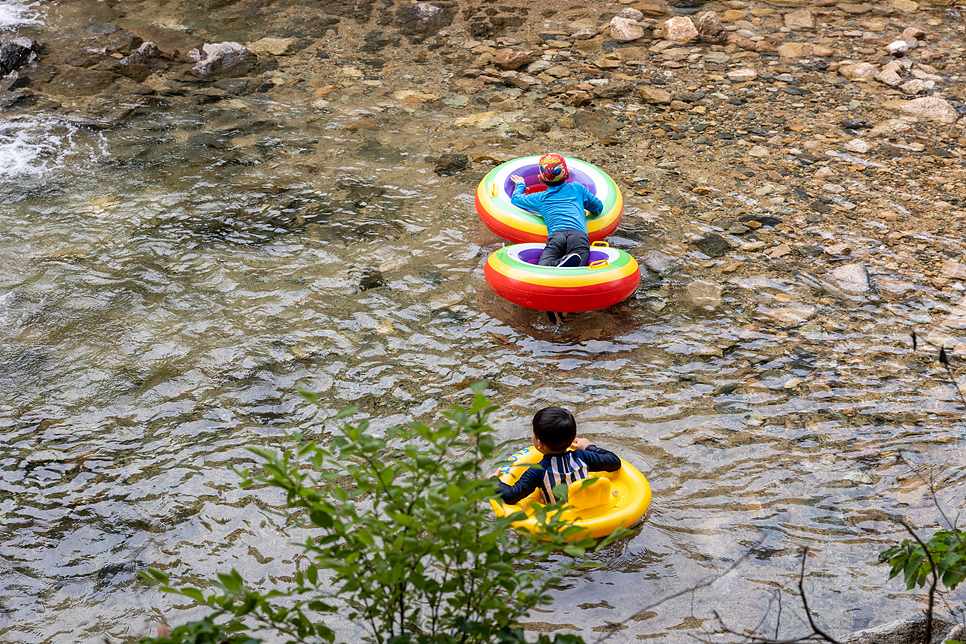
(4, 308)
(14, 13)
(33, 146)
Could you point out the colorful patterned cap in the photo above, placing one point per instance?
(553, 168)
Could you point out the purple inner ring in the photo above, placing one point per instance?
(532, 255)
(531, 174)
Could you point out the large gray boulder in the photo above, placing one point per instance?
(910, 630)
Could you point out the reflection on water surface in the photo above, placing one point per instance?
(166, 287)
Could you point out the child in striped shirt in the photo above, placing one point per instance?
(554, 430)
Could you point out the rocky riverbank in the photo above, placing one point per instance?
(806, 136)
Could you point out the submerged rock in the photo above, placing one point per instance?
(713, 245)
(852, 278)
(450, 164)
(703, 295)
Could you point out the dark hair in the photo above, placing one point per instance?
(553, 184)
(555, 427)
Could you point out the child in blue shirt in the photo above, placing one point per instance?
(554, 430)
(562, 207)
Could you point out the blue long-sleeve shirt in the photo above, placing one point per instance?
(554, 469)
(561, 207)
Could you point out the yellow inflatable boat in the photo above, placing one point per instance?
(615, 499)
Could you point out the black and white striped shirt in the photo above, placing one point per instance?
(554, 469)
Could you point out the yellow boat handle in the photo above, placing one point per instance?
(600, 263)
(493, 189)
(600, 244)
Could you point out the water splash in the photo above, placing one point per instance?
(14, 13)
(32, 146)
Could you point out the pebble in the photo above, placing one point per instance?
(710, 28)
(631, 14)
(273, 46)
(679, 29)
(742, 75)
(899, 48)
(511, 59)
(625, 29)
(889, 77)
(801, 19)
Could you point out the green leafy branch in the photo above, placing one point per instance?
(402, 542)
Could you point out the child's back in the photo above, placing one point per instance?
(562, 207)
(554, 430)
(555, 469)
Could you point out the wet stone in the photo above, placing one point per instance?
(764, 220)
(82, 82)
(660, 262)
(371, 278)
(703, 295)
(14, 55)
(450, 164)
(853, 278)
(679, 29)
(710, 29)
(511, 59)
(713, 245)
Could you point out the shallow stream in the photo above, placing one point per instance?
(168, 285)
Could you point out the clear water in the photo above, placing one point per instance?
(167, 286)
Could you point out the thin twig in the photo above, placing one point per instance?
(808, 612)
(703, 584)
(817, 633)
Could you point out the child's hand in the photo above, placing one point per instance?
(515, 178)
(582, 443)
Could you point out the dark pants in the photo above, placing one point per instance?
(562, 243)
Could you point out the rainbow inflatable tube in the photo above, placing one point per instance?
(522, 226)
(614, 500)
(513, 274)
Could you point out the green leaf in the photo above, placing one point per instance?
(193, 593)
(156, 576)
(321, 519)
(345, 413)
